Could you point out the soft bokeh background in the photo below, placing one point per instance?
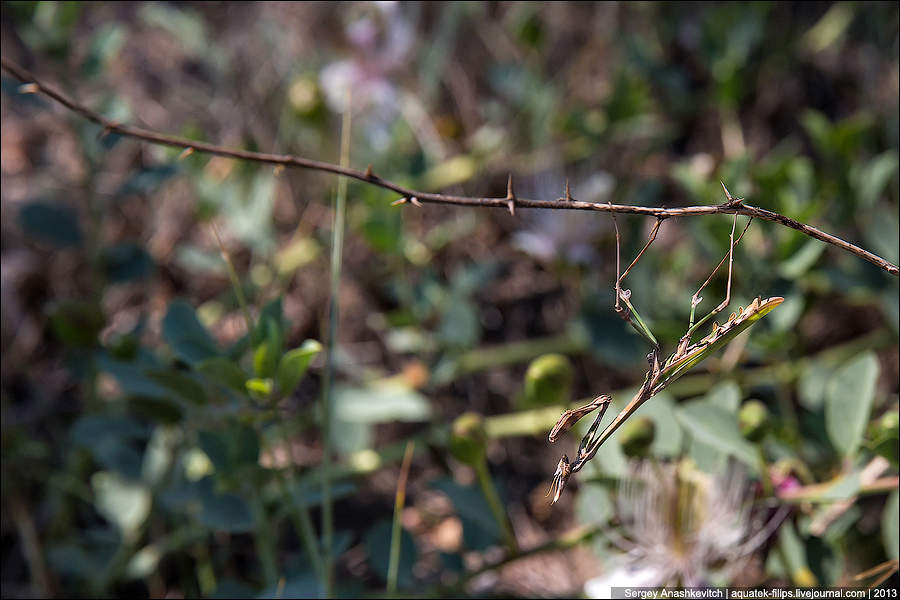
(152, 447)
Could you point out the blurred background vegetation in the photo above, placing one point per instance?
(161, 419)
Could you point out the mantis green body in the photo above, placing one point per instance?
(661, 373)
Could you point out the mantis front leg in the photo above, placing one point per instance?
(625, 295)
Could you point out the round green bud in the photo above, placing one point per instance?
(468, 439)
(753, 419)
(548, 381)
(637, 436)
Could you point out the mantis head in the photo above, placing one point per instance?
(560, 478)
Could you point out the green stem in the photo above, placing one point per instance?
(235, 284)
(768, 486)
(337, 245)
(206, 574)
(491, 357)
(265, 542)
(490, 494)
(396, 533)
(299, 511)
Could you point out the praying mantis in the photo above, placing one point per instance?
(660, 373)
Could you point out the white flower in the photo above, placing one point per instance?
(380, 43)
(681, 526)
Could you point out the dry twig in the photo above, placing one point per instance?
(509, 202)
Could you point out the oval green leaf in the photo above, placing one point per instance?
(294, 364)
(848, 402)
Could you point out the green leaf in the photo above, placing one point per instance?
(294, 364)
(163, 409)
(144, 562)
(52, 223)
(265, 358)
(272, 311)
(848, 402)
(725, 395)
(793, 554)
(88, 429)
(890, 525)
(77, 323)
(223, 371)
(874, 177)
(303, 584)
(182, 330)
(183, 385)
(883, 233)
(480, 529)
(802, 260)
(90, 554)
(311, 497)
(147, 179)
(717, 427)
(231, 449)
(226, 512)
(460, 327)
(125, 504)
(259, 388)
(593, 504)
(811, 386)
(132, 378)
(350, 437)
(160, 453)
(105, 44)
(127, 262)
(378, 543)
(661, 410)
(244, 443)
(112, 441)
(380, 402)
(215, 446)
(231, 589)
(708, 458)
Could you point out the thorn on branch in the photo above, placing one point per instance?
(106, 131)
(729, 199)
(412, 200)
(185, 153)
(29, 88)
(368, 173)
(569, 197)
(510, 196)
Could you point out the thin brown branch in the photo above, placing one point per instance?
(734, 206)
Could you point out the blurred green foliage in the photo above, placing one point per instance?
(160, 436)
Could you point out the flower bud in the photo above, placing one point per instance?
(754, 420)
(468, 440)
(548, 381)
